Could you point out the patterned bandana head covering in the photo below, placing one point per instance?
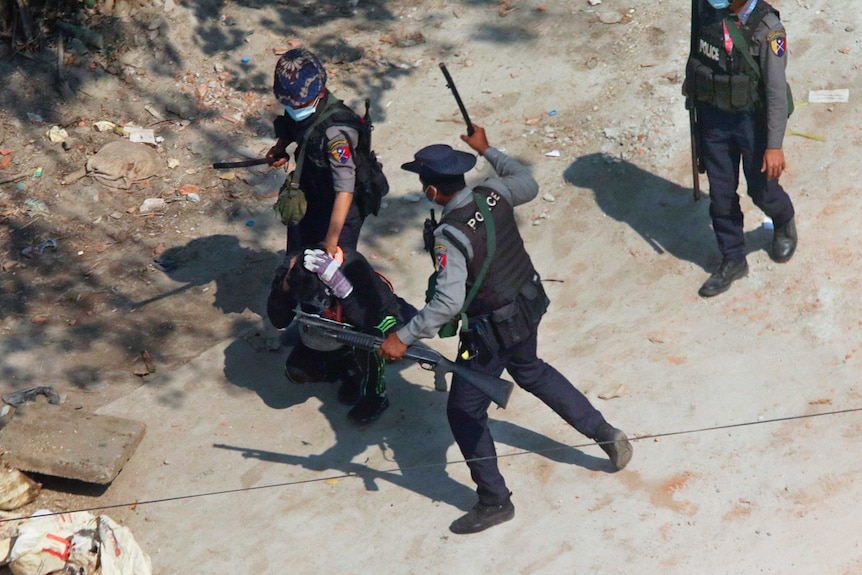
(299, 78)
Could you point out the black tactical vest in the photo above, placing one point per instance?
(510, 266)
(724, 80)
(316, 177)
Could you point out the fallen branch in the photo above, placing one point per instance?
(10, 179)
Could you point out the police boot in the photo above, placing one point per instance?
(615, 443)
(784, 242)
(728, 272)
(482, 517)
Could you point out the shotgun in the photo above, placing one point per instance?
(497, 389)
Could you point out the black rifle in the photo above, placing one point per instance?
(497, 389)
(451, 85)
(697, 165)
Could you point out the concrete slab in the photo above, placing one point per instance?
(61, 442)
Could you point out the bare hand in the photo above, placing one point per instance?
(773, 163)
(392, 349)
(478, 141)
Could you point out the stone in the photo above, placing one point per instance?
(60, 441)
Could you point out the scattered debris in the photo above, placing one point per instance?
(618, 392)
(121, 163)
(16, 489)
(829, 96)
(50, 542)
(22, 396)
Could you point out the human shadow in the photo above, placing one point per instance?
(662, 212)
(413, 432)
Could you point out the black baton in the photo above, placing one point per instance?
(451, 85)
(246, 163)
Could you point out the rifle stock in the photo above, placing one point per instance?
(497, 389)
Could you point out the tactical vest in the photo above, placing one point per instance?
(316, 178)
(511, 265)
(724, 80)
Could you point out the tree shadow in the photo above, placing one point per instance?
(662, 212)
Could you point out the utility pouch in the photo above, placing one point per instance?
(704, 90)
(450, 328)
(291, 203)
(509, 324)
(742, 93)
(533, 300)
(484, 340)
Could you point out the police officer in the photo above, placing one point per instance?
(742, 111)
(503, 317)
(328, 132)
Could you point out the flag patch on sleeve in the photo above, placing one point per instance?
(340, 150)
(778, 45)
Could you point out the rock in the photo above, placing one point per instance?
(151, 205)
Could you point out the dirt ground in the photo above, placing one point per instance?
(587, 95)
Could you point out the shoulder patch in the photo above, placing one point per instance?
(339, 149)
(440, 262)
(778, 44)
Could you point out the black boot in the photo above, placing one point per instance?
(482, 517)
(368, 408)
(615, 443)
(728, 272)
(784, 242)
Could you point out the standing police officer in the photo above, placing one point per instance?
(503, 317)
(742, 108)
(327, 178)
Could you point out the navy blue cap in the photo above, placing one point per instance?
(440, 160)
(299, 78)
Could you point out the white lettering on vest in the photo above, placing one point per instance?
(709, 51)
(492, 200)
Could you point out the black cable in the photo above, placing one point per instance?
(402, 469)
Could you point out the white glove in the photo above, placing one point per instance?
(329, 272)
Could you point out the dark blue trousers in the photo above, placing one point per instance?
(727, 138)
(467, 411)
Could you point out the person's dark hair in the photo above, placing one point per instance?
(446, 185)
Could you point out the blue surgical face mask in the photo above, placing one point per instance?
(719, 4)
(300, 114)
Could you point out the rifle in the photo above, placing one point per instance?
(697, 166)
(497, 389)
(451, 85)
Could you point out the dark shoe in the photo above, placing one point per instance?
(302, 375)
(784, 242)
(616, 444)
(368, 408)
(482, 517)
(348, 392)
(728, 272)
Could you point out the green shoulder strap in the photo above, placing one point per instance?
(330, 107)
(492, 247)
(740, 41)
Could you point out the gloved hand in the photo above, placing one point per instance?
(329, 272)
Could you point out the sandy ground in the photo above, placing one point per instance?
(742, 466)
